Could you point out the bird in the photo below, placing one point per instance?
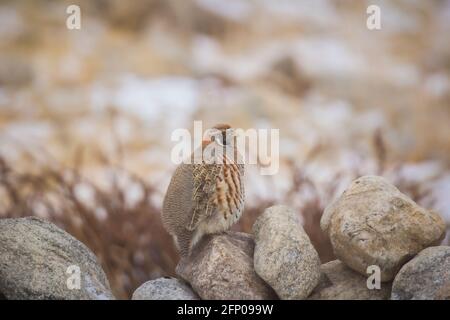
(205, 196)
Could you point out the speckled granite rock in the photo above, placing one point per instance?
(339, 282)
(164, 289)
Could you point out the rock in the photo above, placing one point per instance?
(339, 282)
(373, 223)
(426, 277)
(39, 261)
(221, 267)
(204, 18)
(284, 256)
(164, 289)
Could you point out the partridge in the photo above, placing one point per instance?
(205, 197)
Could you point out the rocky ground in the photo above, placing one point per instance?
(371, 225)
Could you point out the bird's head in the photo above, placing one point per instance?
(221, 134)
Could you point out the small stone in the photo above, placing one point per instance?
(373, 223)
(164, 289)
(38, 260)
(221, 268)
(286, 75)
(339, 282)
(284, 256)
(426, 277)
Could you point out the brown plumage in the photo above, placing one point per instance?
(205, 198)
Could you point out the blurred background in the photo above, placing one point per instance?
(86, 115)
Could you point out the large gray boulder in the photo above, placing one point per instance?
(426, 277)
(373, 223)
(284, 256)
(221, 268)
(38, 260)
(164, 289)
(339, 282)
